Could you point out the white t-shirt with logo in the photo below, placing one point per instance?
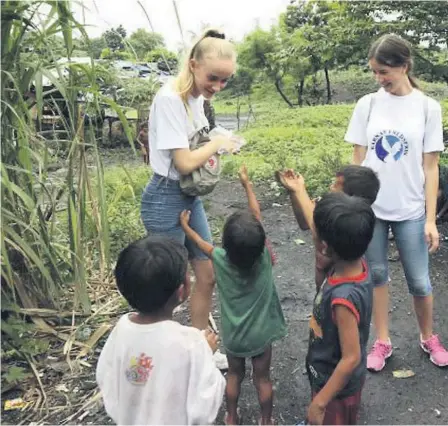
(397, 134)
(161, 373)
(171, 127)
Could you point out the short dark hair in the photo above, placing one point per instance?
(345, 223)
(149, 271)
(360, 181)
(243, 239)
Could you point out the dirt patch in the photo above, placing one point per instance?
(386, 400)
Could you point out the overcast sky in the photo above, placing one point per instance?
(234, 17)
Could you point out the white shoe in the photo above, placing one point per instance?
(220, 360)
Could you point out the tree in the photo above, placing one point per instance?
(260, 51)
(115, 38)
(424, 24)
(143, 42)
(96, 46)
(165, 59)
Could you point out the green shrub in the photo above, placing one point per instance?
(124, 188)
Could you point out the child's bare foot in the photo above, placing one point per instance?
(266, 421)
(232, 420)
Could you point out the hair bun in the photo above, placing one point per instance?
(214, 34)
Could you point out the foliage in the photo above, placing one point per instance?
(123, 55)
(95, 46)
(115, 38)
(21, 338)
(39, 260)
(123, 190)
(308, 139)
(241, 83)
(137, 92)
(314, 36)
(165, 59)
(143, 42)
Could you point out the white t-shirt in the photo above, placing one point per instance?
(161, 373)
(397, 135)
(170, 127)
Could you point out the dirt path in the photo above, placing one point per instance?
(386, 400)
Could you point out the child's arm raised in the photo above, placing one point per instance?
(204, 246)
(302, 205)
(251, 197)
(281, 177)
(347, 324)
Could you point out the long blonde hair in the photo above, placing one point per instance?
(212, 44)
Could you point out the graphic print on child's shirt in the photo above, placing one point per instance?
(316, 320)
(389, 145)
(139, 370)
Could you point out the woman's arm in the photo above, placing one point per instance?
(359, 154)
(186, 160)
(431, 170)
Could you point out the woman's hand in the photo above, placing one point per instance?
(225, 144)
(432, 236)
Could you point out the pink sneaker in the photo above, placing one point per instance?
(376, 360)
(438, 355)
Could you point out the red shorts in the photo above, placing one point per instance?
(343, 411)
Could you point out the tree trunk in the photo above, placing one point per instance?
(327, 79)
(279, 90)
(300, 92)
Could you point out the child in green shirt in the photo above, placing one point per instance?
(251, 315)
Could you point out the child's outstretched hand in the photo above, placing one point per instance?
(185, 218)
(244, 177)
(212, 339)
(291, 180)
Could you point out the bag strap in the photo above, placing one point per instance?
(371, 103)
(426, 109)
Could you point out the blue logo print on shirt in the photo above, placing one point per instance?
(389, 146)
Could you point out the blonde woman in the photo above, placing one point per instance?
(176, 114)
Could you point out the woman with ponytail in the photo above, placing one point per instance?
(176, 114)
(397, 131)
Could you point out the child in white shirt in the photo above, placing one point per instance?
(153, 370)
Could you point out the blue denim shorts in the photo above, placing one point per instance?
(410, 240)
(162, 204)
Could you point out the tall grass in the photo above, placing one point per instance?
(39, 260)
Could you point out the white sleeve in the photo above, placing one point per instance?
(357, 129)
(106, 376)
(206, 385)
(433, 139)
(171, 123)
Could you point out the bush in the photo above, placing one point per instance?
(124, 188)
(310, 140)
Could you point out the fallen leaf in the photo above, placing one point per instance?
(299, 242)
(403, 374)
